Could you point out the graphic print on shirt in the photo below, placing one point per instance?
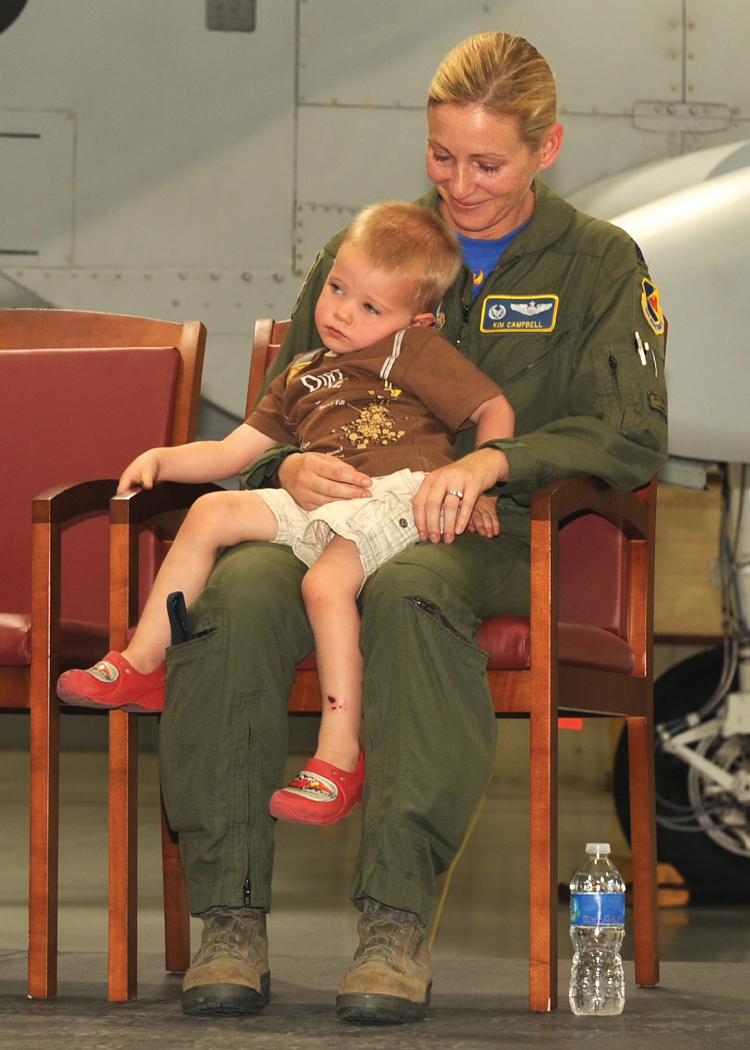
(328, 380)
(371, 422)
(376, 424)
(299, 363)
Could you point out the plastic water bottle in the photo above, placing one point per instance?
(597, 927)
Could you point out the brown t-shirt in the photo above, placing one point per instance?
(394, 405)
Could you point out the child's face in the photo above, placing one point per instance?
(359, 305)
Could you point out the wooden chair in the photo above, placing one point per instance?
(81, 394)
(585, 650)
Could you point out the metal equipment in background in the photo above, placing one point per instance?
(691, 218)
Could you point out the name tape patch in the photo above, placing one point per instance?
(519, 313)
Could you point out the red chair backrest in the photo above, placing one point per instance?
(593, 574)
(72, 415)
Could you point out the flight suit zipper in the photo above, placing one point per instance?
(532, 364)
(432, 610)
(467, 307)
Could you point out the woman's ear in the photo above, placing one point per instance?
(550, 148)
(423, 321)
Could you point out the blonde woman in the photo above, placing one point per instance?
(546, 304)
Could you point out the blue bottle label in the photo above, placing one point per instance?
(597, 909)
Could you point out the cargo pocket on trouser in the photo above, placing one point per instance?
(208, 775)
(430, 745)
(191, 727)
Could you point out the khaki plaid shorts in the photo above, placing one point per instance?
(381, 525)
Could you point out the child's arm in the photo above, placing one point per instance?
(494, 419)
(198, 460)
(484, 519)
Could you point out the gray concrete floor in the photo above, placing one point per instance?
(480, 948)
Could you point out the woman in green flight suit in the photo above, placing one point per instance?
(547, 305)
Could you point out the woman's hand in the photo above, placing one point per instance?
(455, 489)
(312, 479)
(484, 519)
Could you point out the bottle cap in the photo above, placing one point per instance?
(597, 847)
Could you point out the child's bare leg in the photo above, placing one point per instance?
(216, 520)
(330, 590)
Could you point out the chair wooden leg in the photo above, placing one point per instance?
(643, 843)
(44, 830)
(43, 850)
(123, 856)
(543, 872)
(176, 913)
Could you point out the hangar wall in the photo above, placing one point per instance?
(152, 165)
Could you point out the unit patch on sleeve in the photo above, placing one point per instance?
(519, 313)
(658, 404)
(652, 306)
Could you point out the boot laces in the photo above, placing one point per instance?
(224, 932)
(384, 937)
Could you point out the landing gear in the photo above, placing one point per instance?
(703, 794)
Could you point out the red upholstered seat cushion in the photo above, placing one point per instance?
(507, 641)
(81, 644)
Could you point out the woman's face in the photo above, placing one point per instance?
(482, 168)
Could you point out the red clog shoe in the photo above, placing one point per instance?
(320, 793)
(114, 684)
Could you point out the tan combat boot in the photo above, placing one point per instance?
(389, 980)
(229, 974)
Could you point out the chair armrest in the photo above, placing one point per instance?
(60, 504)
(559, 500)
(50, 511)
(128, 511)
(136, 506)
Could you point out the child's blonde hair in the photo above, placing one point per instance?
(504, 74)
(409, 241)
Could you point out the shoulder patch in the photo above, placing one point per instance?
(519, 313)
(652, 306)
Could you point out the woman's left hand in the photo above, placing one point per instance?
(454, 489)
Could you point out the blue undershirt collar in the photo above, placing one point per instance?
(483, 256)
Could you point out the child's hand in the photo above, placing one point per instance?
(142, 473)
(484, 519)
